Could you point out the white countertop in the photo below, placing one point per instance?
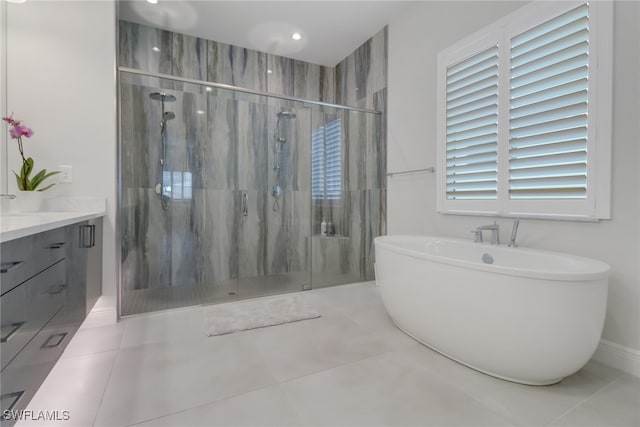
(57, 212)
(16, 225)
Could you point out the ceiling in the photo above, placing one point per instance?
(331, 29)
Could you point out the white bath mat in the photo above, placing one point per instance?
(241, 316)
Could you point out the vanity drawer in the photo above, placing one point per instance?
(24, 375)
(15, 256)
(28, 307)
(28, 256)
(48, 344)
(48, 248)
(19, 385)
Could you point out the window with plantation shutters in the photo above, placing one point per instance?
(317, 163)
(549, 92)
(472, 127)
(326, 161)
(524, 125)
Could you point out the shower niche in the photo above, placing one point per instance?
(222, 193)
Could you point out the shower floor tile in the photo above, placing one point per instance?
(140, 301)
(352, 366)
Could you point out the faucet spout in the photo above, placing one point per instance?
(495, 232)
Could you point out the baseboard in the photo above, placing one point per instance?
(617, 356)
(102, 314)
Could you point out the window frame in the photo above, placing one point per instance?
(597, 204)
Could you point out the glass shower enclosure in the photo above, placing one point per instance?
(223, 192)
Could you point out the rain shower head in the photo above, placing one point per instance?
(162, 96)
(286, 115)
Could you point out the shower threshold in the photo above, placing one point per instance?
(147, 300)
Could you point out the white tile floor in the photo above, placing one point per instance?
(352, 366)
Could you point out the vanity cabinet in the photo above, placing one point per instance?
(49, 282)
(84, 266)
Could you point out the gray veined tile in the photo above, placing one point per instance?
(307, 80)
(220, 158)
(146, 242)
(247, 123)
(189, 57)
(217, 224)
(252, 234)
(136, 48)
(236, 66)
(327, 84)
(281, 78)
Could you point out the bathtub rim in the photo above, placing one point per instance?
(599, 271)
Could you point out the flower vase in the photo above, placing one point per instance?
(29, 201)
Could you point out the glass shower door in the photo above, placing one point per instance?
(274, 197)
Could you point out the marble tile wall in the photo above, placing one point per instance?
(191, 57)
(363, 73)
(360, 81)
(225, 139)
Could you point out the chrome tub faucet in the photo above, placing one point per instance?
(495, 233)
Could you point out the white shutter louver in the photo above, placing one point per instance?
(317, 163)
(472, 127)
(548, 110)
(333, 149)
(326, 161)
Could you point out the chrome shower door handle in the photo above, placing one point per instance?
(245, 204)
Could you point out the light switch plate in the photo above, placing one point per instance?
(66, 174)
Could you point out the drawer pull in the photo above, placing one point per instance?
(14, 398)
(57, 245)
(11, 330)
(56, 289)
(54, 340)
(9, 265)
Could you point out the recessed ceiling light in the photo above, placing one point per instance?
(152, 1)
(296, 36)
(155, 49)
(209, 89)
(269, 71)
(200, 112)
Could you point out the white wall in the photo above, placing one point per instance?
(61, 82)
(415, 38)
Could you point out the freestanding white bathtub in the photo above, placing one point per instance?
(532, 317)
